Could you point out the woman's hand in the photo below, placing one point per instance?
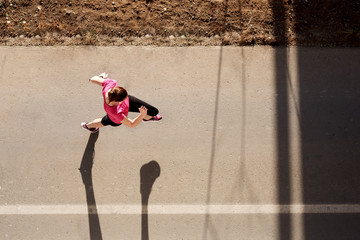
(143, 111)
(104, 75)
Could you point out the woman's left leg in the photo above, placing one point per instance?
(95, 123)
(92, 126)
(136, 103)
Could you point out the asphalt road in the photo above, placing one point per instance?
(255, 143)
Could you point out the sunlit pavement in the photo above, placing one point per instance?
(255, 143)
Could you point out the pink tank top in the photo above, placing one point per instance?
(118, 112)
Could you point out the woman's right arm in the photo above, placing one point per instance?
(97, 80)
(134, 122)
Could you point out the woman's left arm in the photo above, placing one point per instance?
(97, 80)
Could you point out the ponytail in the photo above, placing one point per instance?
(117, 94)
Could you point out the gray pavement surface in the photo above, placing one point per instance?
(255, 143)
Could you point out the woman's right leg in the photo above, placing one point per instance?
(136, 103)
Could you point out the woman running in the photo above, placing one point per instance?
(117, 105)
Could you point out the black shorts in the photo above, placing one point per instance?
(107, 121)
(134, 105)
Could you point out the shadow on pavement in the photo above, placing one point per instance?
(148, 174)
(329, 115)
(209, 229)
(86, 174)
(282, 118)
(330, 140)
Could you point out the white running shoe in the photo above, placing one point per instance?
(92, 130)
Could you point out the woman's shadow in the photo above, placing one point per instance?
(86, 174)
(148, 174)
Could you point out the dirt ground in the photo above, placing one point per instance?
(180, 23)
